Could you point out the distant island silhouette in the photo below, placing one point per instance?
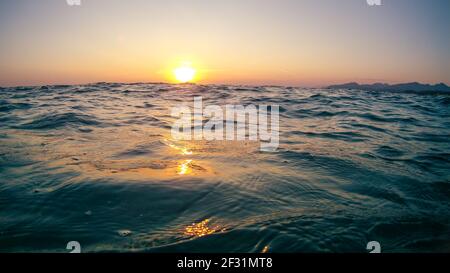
(413, 87)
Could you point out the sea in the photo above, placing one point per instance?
(97, 164)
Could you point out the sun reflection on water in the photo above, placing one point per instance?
(183, 150)
(184, 168)
(200, 229)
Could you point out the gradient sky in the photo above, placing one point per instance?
(282, 42)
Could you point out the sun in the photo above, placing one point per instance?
(184, 74)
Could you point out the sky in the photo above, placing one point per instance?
(267, 42)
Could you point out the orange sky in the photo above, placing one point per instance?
(306, 43)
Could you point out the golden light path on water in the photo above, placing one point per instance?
(202, 228)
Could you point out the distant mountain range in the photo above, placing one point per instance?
(413, 87)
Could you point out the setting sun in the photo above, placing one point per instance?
(184, 74)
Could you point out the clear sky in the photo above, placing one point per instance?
(281, 42)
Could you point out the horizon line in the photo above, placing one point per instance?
(236, 84)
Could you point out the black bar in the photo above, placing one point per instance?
(223, 262)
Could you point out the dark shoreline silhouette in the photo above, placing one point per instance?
(402, 87)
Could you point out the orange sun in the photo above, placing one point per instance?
(184, 74)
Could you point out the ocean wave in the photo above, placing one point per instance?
(56, 121)
(6, 106)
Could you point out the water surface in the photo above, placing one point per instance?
(97, 164)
